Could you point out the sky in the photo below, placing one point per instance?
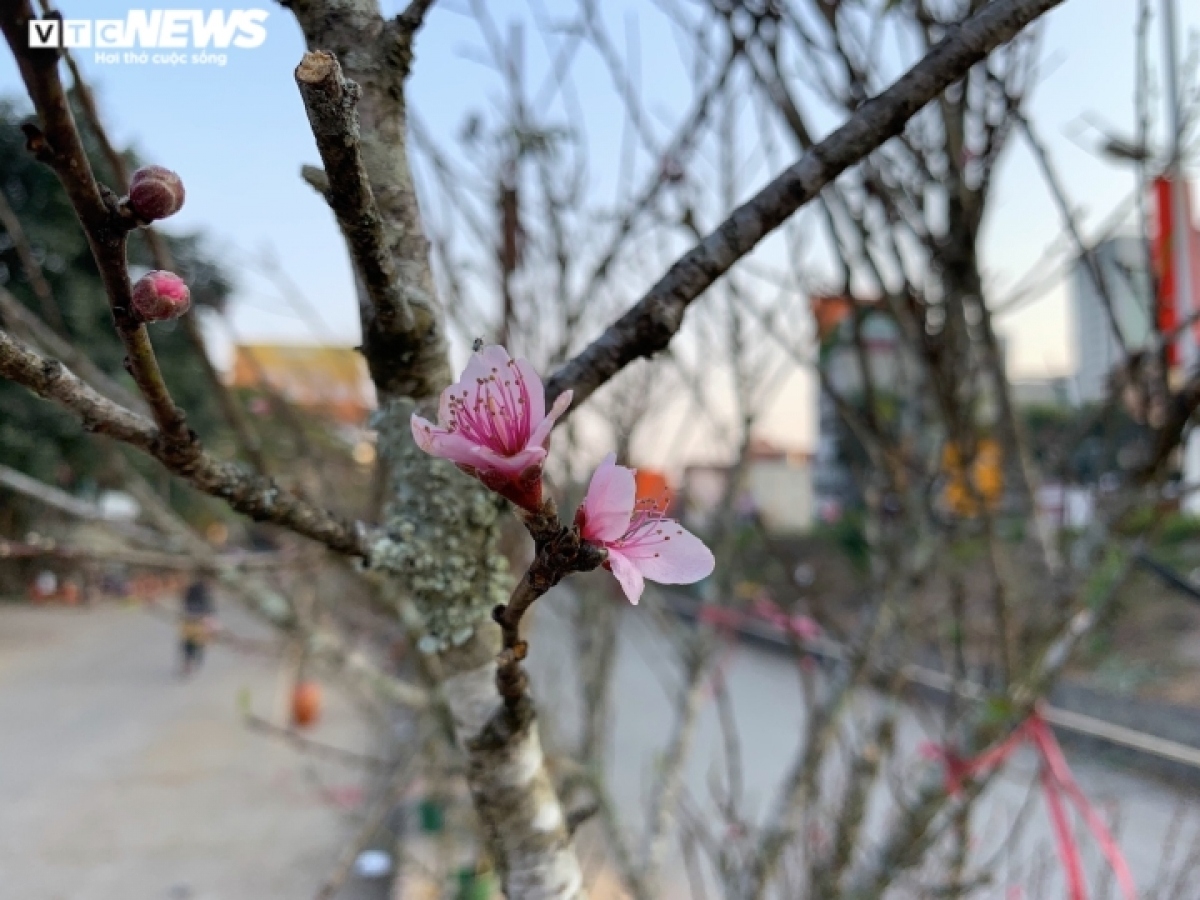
(238, 135)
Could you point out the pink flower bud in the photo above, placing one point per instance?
(155, 192)
(159, 296)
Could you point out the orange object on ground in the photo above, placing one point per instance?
(306, 704)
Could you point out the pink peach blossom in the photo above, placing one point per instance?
(493, 425)
(641, 541)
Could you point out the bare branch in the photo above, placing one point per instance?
(51, 496)
(106, 224)
(413, 17)
(649, 326)
(257, 497)
(37, 280)
(331, 102)
(1091, 263)
(23, 322)
(407, 357)
(307, 745)
(47, 494)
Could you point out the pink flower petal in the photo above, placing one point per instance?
(609, 501)
(537, 393)
(628, 576)
(541, 431)
(423, 430)
(681, 560)
(481, 363)
(456, 391)
(488, 460)
(456, 448)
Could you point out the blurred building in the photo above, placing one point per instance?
(777, 488)
(1122, 262)
(867, 337)
(882, 349)
(1044, 392)
(330, 381)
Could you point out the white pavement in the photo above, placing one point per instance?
(769, 711)
(119, 781)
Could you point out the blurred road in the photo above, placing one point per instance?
(1155, 819)
(119, 781)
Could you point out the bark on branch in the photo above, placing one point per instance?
(259, 498)
(243, 431)
(650, 324)
(56, 141)
(331, 102)
(559, 552)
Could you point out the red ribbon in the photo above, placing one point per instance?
(727, 620)
(1058, 784)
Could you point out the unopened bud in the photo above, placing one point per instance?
(155, 192)
(159, 296)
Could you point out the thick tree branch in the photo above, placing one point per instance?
(649, 326)
(259, 498)
(331, 102)
(407, 356)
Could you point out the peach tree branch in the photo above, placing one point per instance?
(33, 271)
(558, 551)
(234, 414)
(257, 497)
(106, 222)
(331, 102)
(650, 324)
(23, 323)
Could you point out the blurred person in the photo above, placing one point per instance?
(196, 626)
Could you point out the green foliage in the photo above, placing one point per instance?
(998, 709)
(1103, 577)
(1078, 444)
(848, 534)
(1178, 529)
(34, 436)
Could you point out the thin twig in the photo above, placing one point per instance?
(649, 326)
(312, 747)
(23, 323)
(559, 551)
(255, 496)
(106, 223)
(37, 279)
(1086, 252)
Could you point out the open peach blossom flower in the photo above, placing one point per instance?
(493, 425)
(641, 541)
